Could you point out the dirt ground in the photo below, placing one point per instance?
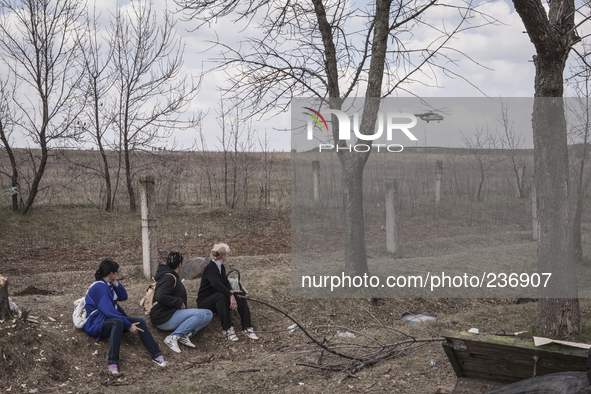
(46, 354)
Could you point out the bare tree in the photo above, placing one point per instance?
(97, 118)
(318, 49)
(151, 95)
(512, 143)
(39, 40)
(483, 148)
(265, 196)
(553, 34)
(7, 113)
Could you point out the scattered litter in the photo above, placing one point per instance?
(432, 364)
(345, 334)
(539, 341)
(292, 328)
(13, 307)
(301, 383)
(417, 317)
(473, 330)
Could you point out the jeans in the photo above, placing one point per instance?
(187, 322)
(114, 328)
(220, 304)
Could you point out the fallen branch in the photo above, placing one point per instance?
(244, 371)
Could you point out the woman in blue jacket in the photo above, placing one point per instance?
(106, 319)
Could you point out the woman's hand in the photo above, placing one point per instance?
(183, 306)
(233, 303)
(134, 329)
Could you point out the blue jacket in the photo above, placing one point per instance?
(101, 304)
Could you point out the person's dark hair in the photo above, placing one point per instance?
(174, 259)
(105, 268)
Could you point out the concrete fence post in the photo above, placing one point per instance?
(149, 239)
(534, 211)
(316, 179)
(392, 242)
(438, 176)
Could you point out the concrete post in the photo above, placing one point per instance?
(392, 242)
(534, 210)
(438, 176)
(316, 179)
(149, 240)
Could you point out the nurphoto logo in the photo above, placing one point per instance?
(393, 120)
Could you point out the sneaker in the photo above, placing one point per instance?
(249, 332)
(160, 361)
(114, 369)
(231, 334)
(172, 342)
(186, 341)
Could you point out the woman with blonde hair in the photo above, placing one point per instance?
(216, 294)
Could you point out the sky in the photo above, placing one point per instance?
(495, 59)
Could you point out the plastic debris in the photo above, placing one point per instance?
(346, 334)
(432, 364)
(292, 328)
(417, 317)
(473, 330)
(13, 307)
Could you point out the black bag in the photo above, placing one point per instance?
(235, 283)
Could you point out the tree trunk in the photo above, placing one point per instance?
(14, 177)
(354, 224)
(130, 191)
(553, 35)
(37, 179)
(577, 239)
(5, 312)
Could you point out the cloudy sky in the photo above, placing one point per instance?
(496, 61)
(500, 66)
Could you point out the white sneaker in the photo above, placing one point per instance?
(231, 334)
(186, 341)
(249, 332)
(172, 342)
(160, 362)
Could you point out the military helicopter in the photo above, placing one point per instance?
(429, 116)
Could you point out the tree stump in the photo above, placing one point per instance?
(4, 306)
(555, 383)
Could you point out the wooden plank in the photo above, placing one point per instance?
(449, 350)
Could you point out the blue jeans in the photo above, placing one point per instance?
(187, 321)
(114, 328)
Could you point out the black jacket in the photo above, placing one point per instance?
(212, 282)
(169, 297)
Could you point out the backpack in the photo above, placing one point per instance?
(79, 316)
(147, 302)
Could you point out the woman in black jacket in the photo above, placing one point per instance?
(170, 310)
(216, 294)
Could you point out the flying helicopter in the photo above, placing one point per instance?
(429, 116)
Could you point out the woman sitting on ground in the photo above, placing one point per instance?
(170, 311)
(216, 294)
(106, 319)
